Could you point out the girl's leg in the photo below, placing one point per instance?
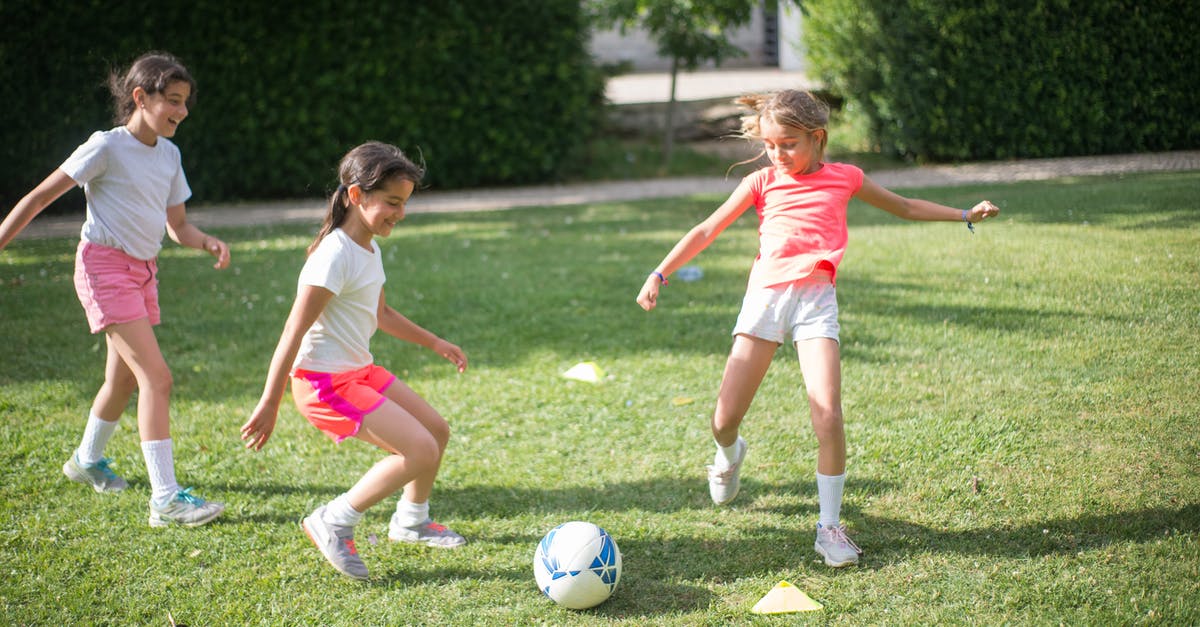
(419, 489)
(820, 363)
(137, 348)
(87, 463)
(744, 371)
(414, 453)
(111, 401)
(119, 385)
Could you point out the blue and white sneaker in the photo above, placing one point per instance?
(184, 508)
(98, 475)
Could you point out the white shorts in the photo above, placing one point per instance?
(804, 310)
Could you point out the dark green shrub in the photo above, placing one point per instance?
(488, 93)
(962, 79)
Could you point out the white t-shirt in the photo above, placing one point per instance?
(340, 339)
(128, 186)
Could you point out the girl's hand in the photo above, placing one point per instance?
(648, 297)
(215, 247)
(982, 211)
(452, 353)
(261, 424)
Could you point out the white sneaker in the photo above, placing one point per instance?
(428, 533)
(723, 481)
(184, 508)
(837, 549)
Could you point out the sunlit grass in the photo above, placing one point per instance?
(1021, 415)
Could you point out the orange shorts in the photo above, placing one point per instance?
(337, 402)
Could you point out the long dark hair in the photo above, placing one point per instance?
(370, 166)
(153, 72)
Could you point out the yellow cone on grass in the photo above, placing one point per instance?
(785, 598)
(585, 371)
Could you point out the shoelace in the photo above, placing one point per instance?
(350, 545)
(722, 476)
(103, 466)
(186, 496)
(839, 534)
(434, 527)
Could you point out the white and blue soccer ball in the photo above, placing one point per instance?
(577, 564)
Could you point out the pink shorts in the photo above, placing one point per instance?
(337, 402)
(113, 287)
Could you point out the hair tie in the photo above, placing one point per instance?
(341, 188)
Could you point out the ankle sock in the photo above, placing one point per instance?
(829, 493)
(160, 465)
(95, 437)
(409, 514)
(340, 512)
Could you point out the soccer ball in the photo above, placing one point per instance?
(577, 564)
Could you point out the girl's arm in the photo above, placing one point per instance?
(917, 209)
(33, 203)
(310, 302)
(185, 233)
(396, 325)
(695, 241)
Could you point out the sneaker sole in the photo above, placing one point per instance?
(308, 532)
(159, 522)
(88, 482)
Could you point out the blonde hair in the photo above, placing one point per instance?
(791, 108)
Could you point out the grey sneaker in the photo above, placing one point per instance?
(723, 481)
(97, 475)
(336, 543)
(185, 509)
(837, 549)
(427, 532)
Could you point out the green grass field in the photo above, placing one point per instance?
(1022, 416)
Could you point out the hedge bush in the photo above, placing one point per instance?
(488, 93)
(944, 80)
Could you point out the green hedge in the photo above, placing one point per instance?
(952, 80)
(489, 93)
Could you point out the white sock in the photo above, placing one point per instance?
(409, 514)
(95, 437)
(340, 512)
(160, 465)
(829, 493)
(727, 455)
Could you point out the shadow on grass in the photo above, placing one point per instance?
(892, 539)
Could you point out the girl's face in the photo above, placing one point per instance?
(163, 112)
(791, 151)
(379, 210)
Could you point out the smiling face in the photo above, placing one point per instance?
(791, 150)
(160, 114)
(376, 213)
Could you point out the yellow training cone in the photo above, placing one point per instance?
(785, 598)
(585, 371)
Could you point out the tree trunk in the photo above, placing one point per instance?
(669, 131)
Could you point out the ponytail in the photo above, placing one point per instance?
(334, 217)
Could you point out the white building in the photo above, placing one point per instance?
(769, 40)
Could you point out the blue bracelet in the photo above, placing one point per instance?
(662, 279)
(970, 227)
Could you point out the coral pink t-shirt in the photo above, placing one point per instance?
(801, 222)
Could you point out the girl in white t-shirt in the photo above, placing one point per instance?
(133, 179)
(325, 347)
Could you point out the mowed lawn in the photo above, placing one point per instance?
(1021, 404)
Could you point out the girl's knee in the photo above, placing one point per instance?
(827, 423)
(423, 452)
